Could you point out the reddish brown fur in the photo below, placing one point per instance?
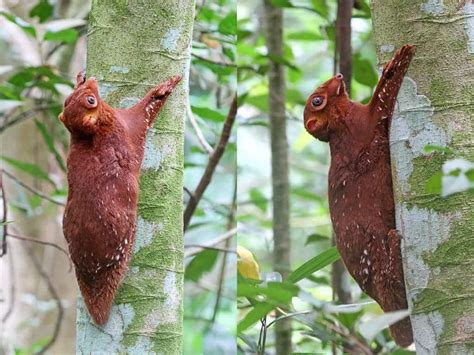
(105, 155)
(360, 185)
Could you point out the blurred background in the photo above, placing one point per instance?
(312, 51)
(42, 48)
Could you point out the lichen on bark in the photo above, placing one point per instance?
(434, 107)
(133, 46)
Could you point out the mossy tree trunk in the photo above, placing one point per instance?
(435, 106)
(132, 46)
(273, 21)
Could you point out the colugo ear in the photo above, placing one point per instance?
(80, 78)
(61, 117)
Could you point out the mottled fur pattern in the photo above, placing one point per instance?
(360, 184)
(105, 155)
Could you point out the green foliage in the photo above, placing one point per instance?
(28, 168)
(25, 26)
(311, 266)
(208, 114)
(49, 140)
(43, 10)
(309, 44)
(210, 327)
(67, 35)
(364, 72)
(201, 264)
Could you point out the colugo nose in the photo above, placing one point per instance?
(339, 76)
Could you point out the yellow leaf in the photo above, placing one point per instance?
(209, 42)
(246, 264)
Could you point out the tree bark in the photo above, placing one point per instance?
(133, 46)
(434, 107)
(273, 18)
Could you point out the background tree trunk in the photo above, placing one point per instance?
(133, 46)
(343, 60)
(434, 107)
(273, 18)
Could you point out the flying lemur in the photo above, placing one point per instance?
(105, 155)
(360, 188)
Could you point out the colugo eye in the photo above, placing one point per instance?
(91, 99)
(317, 101)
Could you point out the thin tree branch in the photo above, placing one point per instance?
(212, 243)
(200, 136)
(25, 115)
(55, 296)
(220, 63)
(4, 218)
(212, 163)
(188, 191)
(31, 189)
(42, 242)
(230, 225)
(11, 303)
(287, 315)
(224, 250)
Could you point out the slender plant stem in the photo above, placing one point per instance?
(212, 163)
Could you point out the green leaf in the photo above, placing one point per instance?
(229, 53)
(311, 266)
(67, 35)
(10, 92)
(349, 319)
(276, 293)
(43, 10)
(25, 26)
(202, 263)
(48, 139)
(263, 308)
(208, 114)
(259, 101)
(313, 238)
(321, 7)
(282, 3)
(258, 199)
(260, 310)
(30, 169)
(250, 342)
(362, 9)
(228, 25)
(42, 77)
(364, 71)
(304, 36)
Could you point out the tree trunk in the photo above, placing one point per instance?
(279, 147)
(343, 56)
(434, 107)
(133, 46)
(344, 40)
